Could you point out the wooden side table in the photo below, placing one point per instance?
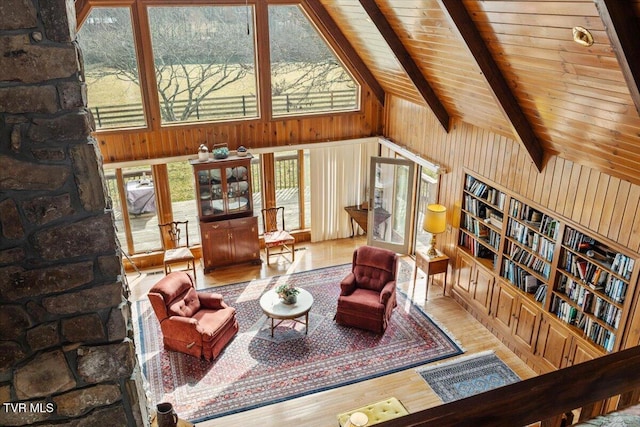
(431, 266)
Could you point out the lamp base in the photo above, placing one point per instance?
(431, 250)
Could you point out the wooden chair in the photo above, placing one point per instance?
(275, 234)
(176, 252)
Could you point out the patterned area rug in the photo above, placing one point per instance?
(256, 370)
(467, 376)
(629, 417)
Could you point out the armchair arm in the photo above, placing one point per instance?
(348, 284)
(212, 301)
(386, 292)
(187, 328)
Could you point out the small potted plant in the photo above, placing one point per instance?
(288, 293)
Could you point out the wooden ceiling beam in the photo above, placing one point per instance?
(347, 52)
(621, 24)
(521, 128)
(407, 62)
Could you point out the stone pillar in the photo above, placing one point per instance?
(66, 350)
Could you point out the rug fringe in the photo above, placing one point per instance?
(446, 331)
(456, 360)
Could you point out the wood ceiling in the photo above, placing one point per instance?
(512, 67)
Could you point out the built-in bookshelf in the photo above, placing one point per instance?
(529, 248)
(482, 221)
(591, 287)
(584, 280)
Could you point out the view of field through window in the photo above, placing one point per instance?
(204, 59)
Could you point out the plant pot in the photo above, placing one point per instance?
(290, 299)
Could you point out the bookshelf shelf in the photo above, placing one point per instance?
(481, 221)
(584, 282)
(529, 250)
(591, 288)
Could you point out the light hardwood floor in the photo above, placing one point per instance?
(320, 409)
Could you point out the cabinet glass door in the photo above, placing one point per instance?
(391, 184)
(204, 193)
(238, 190)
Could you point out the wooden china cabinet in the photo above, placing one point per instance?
(228, 228)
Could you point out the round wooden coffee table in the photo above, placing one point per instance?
(275, 309)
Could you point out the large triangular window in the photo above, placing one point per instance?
(202, 59)
(306, 74)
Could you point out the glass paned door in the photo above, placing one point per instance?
(390, 218)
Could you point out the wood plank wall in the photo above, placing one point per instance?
(599, 202)
(180, 140)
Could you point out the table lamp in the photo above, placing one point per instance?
(435, 222)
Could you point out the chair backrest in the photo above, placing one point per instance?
(272, 217)
(374, 267)
(174, 295)
(174, 233)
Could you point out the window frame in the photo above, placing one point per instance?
(144, 55)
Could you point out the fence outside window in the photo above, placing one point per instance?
(123, 115)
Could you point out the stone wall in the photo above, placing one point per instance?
(66, 350)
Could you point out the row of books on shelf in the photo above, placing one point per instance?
(524, 212)
(541, 293)
(531, 239)
(593, 330)
(619, 263)
(622, 265)
(482, 190)
(588, 302)
(494, 239)
(547, 226)
(578, 241)
(520, 277)
(479, 210)
(477, 250)
(528, 259)
(615, 289)
(595, 277)
(607, 312)
(478, 229)
(475, 226)
(581, 296)
(592, 274)
(535, 219)
(598, 334)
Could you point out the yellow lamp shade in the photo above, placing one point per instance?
(435, 219)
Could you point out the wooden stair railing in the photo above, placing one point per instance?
(544, 398)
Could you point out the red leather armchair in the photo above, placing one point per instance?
(195, 323)
(368, 293)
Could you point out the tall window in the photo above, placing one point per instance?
(183, 203)
(427, 194)
(204, 61)
(306, 75)
(307, 189)
(134, 208)
(111, 68)
(256, 187)
(287, 174)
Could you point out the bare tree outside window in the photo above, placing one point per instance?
(306, 75)
(202, 54)
(111, 68)
(205, 64)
